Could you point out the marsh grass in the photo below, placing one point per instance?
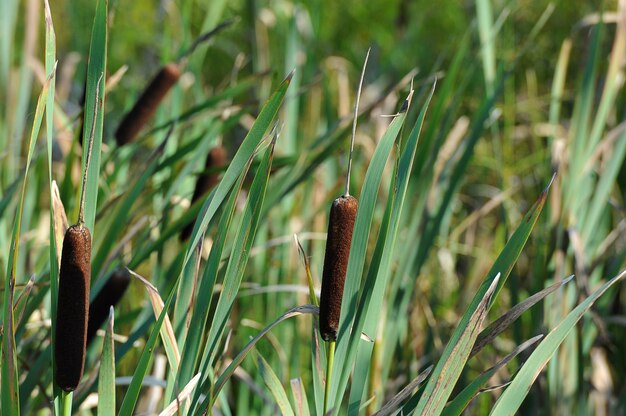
(503, 176)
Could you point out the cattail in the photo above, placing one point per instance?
(338, 242)
(206, 181)
(109, 295)
(147, 104)
(73, 296)
(340, 228)
(73, 307)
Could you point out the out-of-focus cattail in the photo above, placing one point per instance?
(73, 307)
(217, 157)
(340, 228)
(109, 295)
(147, 104)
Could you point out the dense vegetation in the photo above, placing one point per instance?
(488, 164)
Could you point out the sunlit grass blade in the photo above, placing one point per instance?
(223, 378)
(94, 112)
(456, 406)
(106, 382)
(511, 399)
(194, 341)
(167, 332)
(274, 385)
(238, 260)
(120, 218)
(502, 323)
(392, 405)
(174, 407)
(371, 299)
(356, 263)
(141, 369)
(237, 164)
(299, 397)
(9, 372)
(454, 357)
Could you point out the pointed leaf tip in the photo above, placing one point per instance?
(290, 76)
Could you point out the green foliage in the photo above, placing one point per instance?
(449, 235)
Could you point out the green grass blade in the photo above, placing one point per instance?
(119, 219)
(106, 383)
(502, 323)
(50, 63)
(503, 266)
(299, 397)
(230, 370)
(238, 260)
(236, 166)
(9, 374)
(356, 262)
(450, 365)
(273, 383)
(456, 406)
(141, 369)
(511, 399)
(193, 343)
(94, 112)
(371, 301)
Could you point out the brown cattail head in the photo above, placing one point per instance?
(147, 104)
(73, 307)
(206, 181)
(109, 295)
(338, 241)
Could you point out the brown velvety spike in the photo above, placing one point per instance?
(109, 295)
(338, 241)
(206, 181)
(73, 307)
(147, 104)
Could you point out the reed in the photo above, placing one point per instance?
(110, 294)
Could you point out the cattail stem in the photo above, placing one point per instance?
(356, 115)
(329, 372)
(66, 403)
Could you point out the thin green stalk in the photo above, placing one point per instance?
(329, 373)
(66, 403)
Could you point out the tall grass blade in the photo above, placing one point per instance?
(94, 112)
(511, 399)
(106, 382)
(356, 263)
(9, 373)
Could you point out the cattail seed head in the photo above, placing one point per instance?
(147, 104)
(338, 242)
(109, 295)
(73, 307)
(206, 181)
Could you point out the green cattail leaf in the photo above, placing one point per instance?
(236, 166)
(237, 261)
(371, 301)
(223, 378)
(120, 218)
(510, 401)
(94, 112)
(435, 394)
(456, 406)
(9, 388)
(299, 397)
(273, 383)
(197, 326)
(106, 382)
(50, 64)
(141, 369)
